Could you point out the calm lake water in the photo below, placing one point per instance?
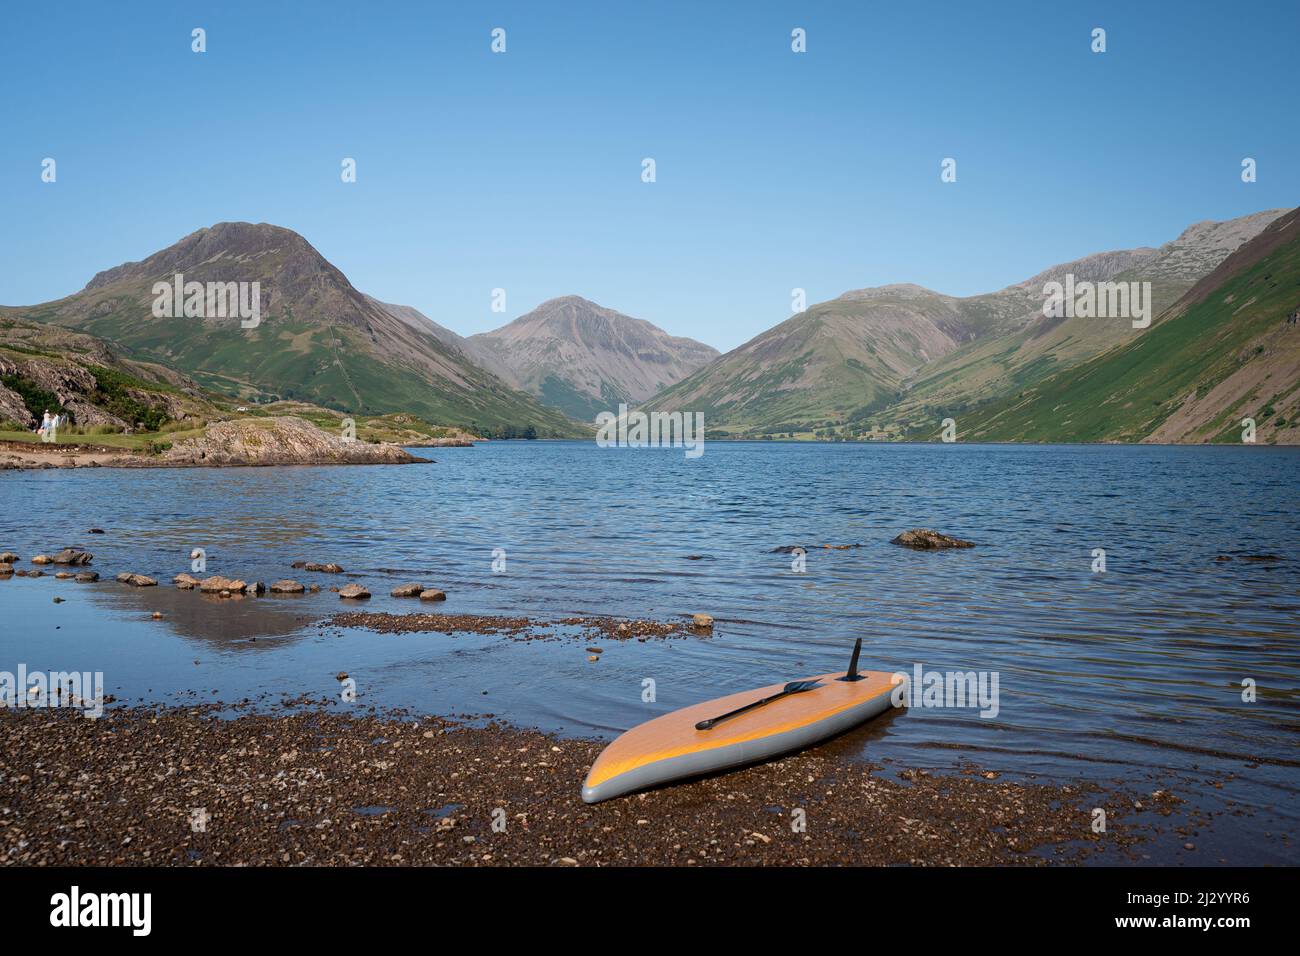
(1133, 674)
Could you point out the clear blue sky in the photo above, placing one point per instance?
(523, 170)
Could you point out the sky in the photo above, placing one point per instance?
(523, 170)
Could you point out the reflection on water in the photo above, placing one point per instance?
(1135, 668)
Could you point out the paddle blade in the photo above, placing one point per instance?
(799, 686)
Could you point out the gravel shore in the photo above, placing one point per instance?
(183, 786)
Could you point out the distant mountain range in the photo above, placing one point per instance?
(892, 361)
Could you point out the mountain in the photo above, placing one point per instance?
(319, 339)
(581, 358)
(900, 358)
(1228, 349)
(1029, 348)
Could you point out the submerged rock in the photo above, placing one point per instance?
(924, 539)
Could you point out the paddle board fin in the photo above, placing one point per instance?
(852, 673)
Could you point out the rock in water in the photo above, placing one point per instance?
(407, 590)
(87, 577)
(287, 587)
(432, 594)
(354, 592)
(72, 556)
(924, 539)
(702, 622)
(136, 580)
(216, 584)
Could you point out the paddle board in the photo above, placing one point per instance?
(671, 748)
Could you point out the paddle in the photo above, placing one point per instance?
(794, 687)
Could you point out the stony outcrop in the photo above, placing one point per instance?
(279, 441)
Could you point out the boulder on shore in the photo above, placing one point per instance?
(925, 539)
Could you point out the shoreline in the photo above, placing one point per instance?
(14, 456)
(181, 786)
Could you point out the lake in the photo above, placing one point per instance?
(1132, 674)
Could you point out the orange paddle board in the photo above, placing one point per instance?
(671, 748)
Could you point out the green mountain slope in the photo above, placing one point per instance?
(898, 359)
(320, 340)
(1006, 362)
(1229, 349)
